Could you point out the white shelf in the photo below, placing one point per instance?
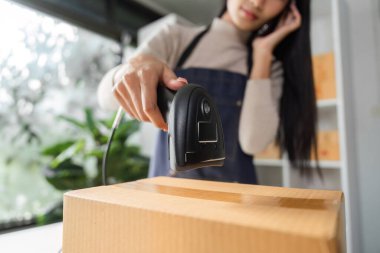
(325, 103)
(328, 164)
(279, 163)
(268, 162)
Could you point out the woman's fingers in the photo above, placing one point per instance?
(170, 79)
(294, 10)
(148, 80)
(294, 18)
(289, 22)
(136, 90)
(122, 96)
(149, 103)
(133, 86)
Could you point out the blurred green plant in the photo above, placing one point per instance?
(66, 170)
(67, 167)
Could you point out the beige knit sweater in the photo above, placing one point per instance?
(223, 47)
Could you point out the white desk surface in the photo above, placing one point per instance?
(44, 239)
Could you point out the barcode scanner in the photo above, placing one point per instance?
(195, 134)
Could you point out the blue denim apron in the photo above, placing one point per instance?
(227, 90)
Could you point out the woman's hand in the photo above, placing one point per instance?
(135, 87)
(288, 24)
(263, 47)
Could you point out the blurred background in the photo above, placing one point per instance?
(54, 53)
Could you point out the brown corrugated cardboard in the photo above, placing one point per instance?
(324, 76)
(328, 146)
(181, 215)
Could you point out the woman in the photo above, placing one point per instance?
(254, 60)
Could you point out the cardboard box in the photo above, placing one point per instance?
(328, 146)
(324, 76)
(181, 216)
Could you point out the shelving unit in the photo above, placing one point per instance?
(326, 36)
(322, 44)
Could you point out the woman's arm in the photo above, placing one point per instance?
(133, 85)
(259, 118)
(159, 46)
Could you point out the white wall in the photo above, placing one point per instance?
(362, 32)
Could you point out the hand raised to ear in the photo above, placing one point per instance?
(288, 23)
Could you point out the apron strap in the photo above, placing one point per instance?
(191, 47)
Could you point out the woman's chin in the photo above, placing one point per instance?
(246, 26)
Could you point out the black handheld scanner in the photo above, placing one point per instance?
(195, 135)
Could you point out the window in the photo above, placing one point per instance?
(47, 68)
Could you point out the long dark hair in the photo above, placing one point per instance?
(298, 112)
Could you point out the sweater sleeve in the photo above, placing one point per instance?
(164, 45)
(259, 119)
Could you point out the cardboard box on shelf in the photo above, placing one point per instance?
(167, 215)
(324, 76)
(328, 146)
